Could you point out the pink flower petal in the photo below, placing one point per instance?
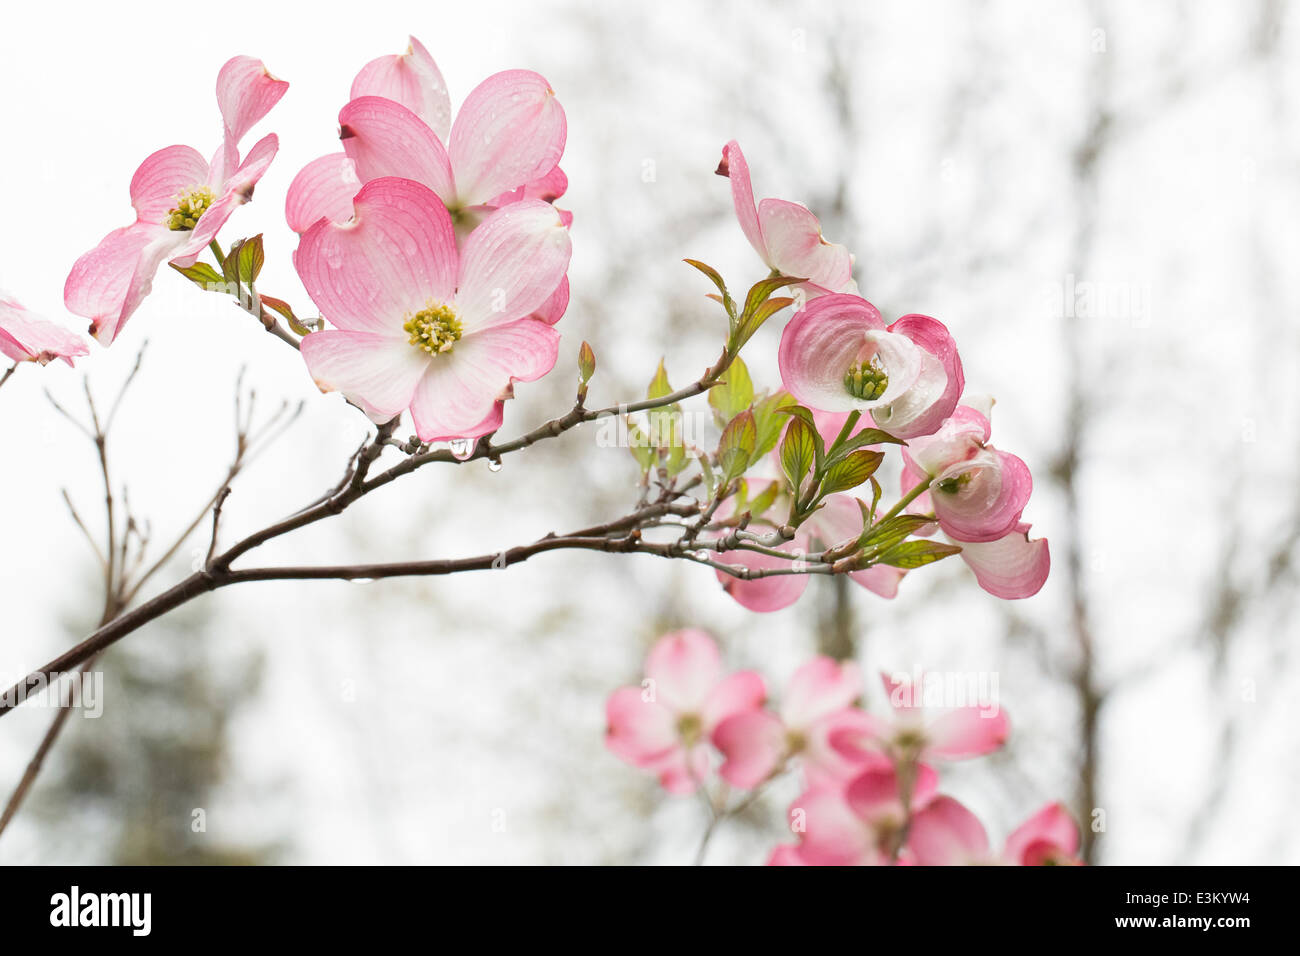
(511, 264)
(97, 285)
(246, 91)
(764, 594)
(685, 666)
(162, 177)
(394, 258)
(960, 437)
(640, 731)
(735, 694)
(509, 132)
(1011, 567)
(793, 237)
(457, 396)
(384, 138)
(323, 189)
(925, 405)
(945, 833)
(988, 493)
(752, 743)
(412, 79)
(787, 854)
(553, 309)
(818, 346)
(875, 796)
(966, 732)
(735, 168)
(27, 337)
(377, 372)
(818, 689)
(835, 835)
(1052, 826)
(682, 771)
(825, 763)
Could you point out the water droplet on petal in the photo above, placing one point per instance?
(460, 448)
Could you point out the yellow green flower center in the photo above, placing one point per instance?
(434, 330)
(954, 484)
(189, 209)
(690, 728)
(866, 381)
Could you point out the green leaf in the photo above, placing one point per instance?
(724, 297)
(739, 439)
(804, 415)
(889, 532)
(251, 258)
(733, 395)
(868, 436)
(639, 444)
(714, 276)
(765, 499)
(286, 312)
(762, 290)
(203, 276)
(751, 323)
(659, 386)
(916, 554)
(586, 362)
(798, 452)
(851, 471)
(243, 264)
(769, 421)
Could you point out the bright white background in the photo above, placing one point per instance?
(393, 719)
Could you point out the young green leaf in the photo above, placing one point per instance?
(889, 532)
(735, 449)
(798, 452)
(752, 322)
(765, 499)
(851, 471)
(762, 290)
(733, 395)
(806, 416)
(659, 386)
(868, 436)
(769, 421)
(586, 363)
(639, 444)
(203, 276)
(915, 554)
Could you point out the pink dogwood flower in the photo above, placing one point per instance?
(422, 325)
(786, 235)
(181, 202)
(504, 145)
(838, 520)
(758, 743)
(978, 495)
(26, 337)
(922, 731)
(837, 355)
(665, 724)
(946, 833)
(861, 823)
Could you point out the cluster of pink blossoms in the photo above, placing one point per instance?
(840, 359)
(431, 246)
(870, 784)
